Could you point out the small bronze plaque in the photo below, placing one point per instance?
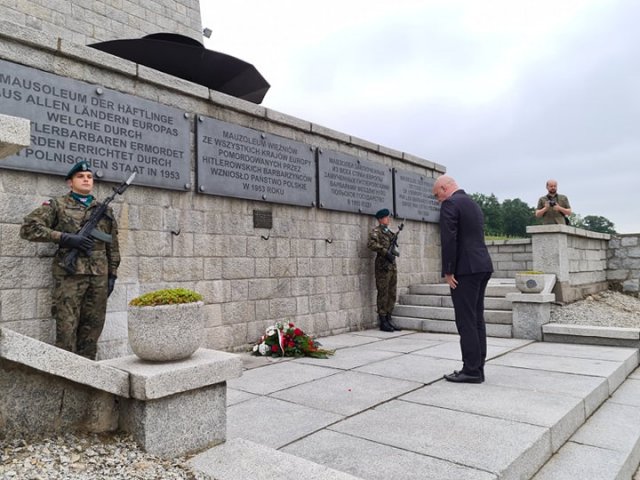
(262, 219)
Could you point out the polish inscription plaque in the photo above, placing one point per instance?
(352, 184)
(413, 196)
(116, 133)
(236, 161)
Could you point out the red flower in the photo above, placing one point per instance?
(275, 348)
(297, 332)
(291, 344)
(291, 325)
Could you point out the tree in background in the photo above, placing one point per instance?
(516, 215)
(596, 223)
(511, 217)
(492, 211)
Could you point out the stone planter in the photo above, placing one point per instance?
(166, 333)
(530, 282)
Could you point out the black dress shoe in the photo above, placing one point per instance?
(393, 325)
(460, 377)
(456, 372)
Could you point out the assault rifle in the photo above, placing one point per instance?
(89, 229)
(392, 251)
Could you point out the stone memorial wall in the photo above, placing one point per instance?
(265, 214)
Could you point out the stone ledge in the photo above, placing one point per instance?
(55, 361)
(153, 380)
(14, 135)
(531, 297)
(239, 459)
(592, 331)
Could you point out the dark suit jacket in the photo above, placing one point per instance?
(462, 236)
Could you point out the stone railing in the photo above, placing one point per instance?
(577, 257)
(510, 256)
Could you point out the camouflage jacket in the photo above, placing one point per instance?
(380, 239)
(65, 214)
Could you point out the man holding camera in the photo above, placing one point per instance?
(553, 207)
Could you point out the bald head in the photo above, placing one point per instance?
(444, 187)
(552, 186)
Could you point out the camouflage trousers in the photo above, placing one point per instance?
(79, 305)
(386, 284)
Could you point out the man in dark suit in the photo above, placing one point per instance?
(466, 267)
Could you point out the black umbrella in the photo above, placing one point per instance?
(187, 58)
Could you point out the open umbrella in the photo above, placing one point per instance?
(187, 58)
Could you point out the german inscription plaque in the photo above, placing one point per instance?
(118, 134)
(351, 184)
(240, 162)
(413, 196)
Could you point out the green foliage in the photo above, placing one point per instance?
(507, 219)
(169, 296)
(596, 223)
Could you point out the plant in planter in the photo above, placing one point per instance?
(530, 281)
(166, 325)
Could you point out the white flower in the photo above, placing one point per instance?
(263, 348)
(255, 348)
(271, 331)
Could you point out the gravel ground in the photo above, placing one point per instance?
(99, 457)
(606, 309)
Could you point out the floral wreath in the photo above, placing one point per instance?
(288, 341)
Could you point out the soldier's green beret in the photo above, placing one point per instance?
(81, 166)
(382, 213)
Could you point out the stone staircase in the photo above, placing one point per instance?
(429, 308)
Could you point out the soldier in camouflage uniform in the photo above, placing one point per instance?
(79, 301)
(386, 271)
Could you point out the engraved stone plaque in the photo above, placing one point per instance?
(413, 197)
(240, 162)
(352, 184)
(118, 134)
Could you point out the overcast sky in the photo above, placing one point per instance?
(504, 93)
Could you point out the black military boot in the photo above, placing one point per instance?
(391, 324)
(384, 324)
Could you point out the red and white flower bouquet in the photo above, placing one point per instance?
(286, 340)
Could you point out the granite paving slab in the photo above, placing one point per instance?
(613, 371)
(562, 414)
(412, 367)
(349, 358)
(628, 393)
(593, 390)
(259, 463)
(601, 352)
(613, 426)
(575, 461)
(452, 351)
(346, 393)
(375, 461)
(237, 396)
(635, 374)
(347, 340)
(273, 422)
(516, 450)
(278, 376)
(407, 344)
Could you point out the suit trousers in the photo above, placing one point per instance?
(468, 304)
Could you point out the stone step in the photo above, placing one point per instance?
(490, 303)
(444, 313)
(447, 326)
(240, 459)
(379, 408)
(607, 446)
(493, 289)
(591, 334)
